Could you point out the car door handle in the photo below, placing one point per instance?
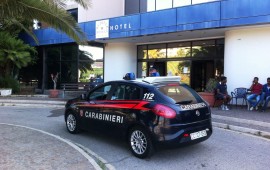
(91, 102)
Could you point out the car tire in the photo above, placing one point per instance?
(140, 142)
(72, 123)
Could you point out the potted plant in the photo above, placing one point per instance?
(8, 85)
(5, 91)
(209, 93)
(54, 92)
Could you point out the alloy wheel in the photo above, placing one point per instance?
(71, 123)
(138, 142)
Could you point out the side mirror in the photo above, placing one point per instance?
(83, 96)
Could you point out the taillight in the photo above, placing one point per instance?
(164, 111)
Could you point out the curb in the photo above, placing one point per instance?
(30, 105)
(32, 101)
(26, 95)
(242, 129)
(100, 161)
(35, 103)
(239, 120)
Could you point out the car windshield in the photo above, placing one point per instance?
(180, 94)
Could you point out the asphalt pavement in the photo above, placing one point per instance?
(33, 148)
(28, 148)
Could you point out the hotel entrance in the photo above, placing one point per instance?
(194, 61)
(201, 71)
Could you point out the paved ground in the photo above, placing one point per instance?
(26, 148)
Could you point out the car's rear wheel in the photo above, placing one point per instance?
(140, 142)
(72, 123)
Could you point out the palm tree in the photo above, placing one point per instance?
(14, 54)
(52, 12)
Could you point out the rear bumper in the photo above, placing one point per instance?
(177, 135)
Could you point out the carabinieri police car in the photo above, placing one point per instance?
(148, 112)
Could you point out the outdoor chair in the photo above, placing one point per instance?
(239, 93)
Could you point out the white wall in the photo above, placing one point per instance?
(247, 55)
(119, 59)
(101, 9)
(71, 5)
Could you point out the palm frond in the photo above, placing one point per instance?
(42, 10)
(30, 33)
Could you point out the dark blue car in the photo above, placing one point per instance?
(147, 113)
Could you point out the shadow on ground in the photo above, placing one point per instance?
(57, 113)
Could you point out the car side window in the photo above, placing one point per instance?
(100, 93)
(126, 92)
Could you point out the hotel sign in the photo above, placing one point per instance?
(107, 27)
(123, 26)
(102, 29)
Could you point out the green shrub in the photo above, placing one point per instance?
(9, 82)
(211, 85)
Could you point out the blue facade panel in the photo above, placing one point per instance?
(89, 29)
(225, 13)
(158, 22)
(158, 30)
(244, 8)
(158, 19)
(196, 26)
(198, 13)
(125, 34)
(244, 12)
(246, 21)
(201, 16)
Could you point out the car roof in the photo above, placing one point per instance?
(161, 79)
(151, 81)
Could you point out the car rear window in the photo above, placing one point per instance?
(180, 94)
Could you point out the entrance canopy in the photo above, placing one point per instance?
(200, 20)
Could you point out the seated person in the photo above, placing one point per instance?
(153, 72)
(266, 94)
(256, 89)
(222, 93)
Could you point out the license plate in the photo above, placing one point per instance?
(197, 135)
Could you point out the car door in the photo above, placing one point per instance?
(93, 109)
(121, 107)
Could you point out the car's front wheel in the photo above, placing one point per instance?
(72, 123)
(140, 142)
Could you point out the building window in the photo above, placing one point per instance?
(202, 1)
(178, 50)
(74, 63)
(140, 6)
(142, 52)
(204, 48)
(180, 68)
(194, 61)
(151, 5)
(157, 51)
(179, 3)
(68, 67)
(90, 63)
(132, 7)
(142, 69)
(163, 4)
(74, 13)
